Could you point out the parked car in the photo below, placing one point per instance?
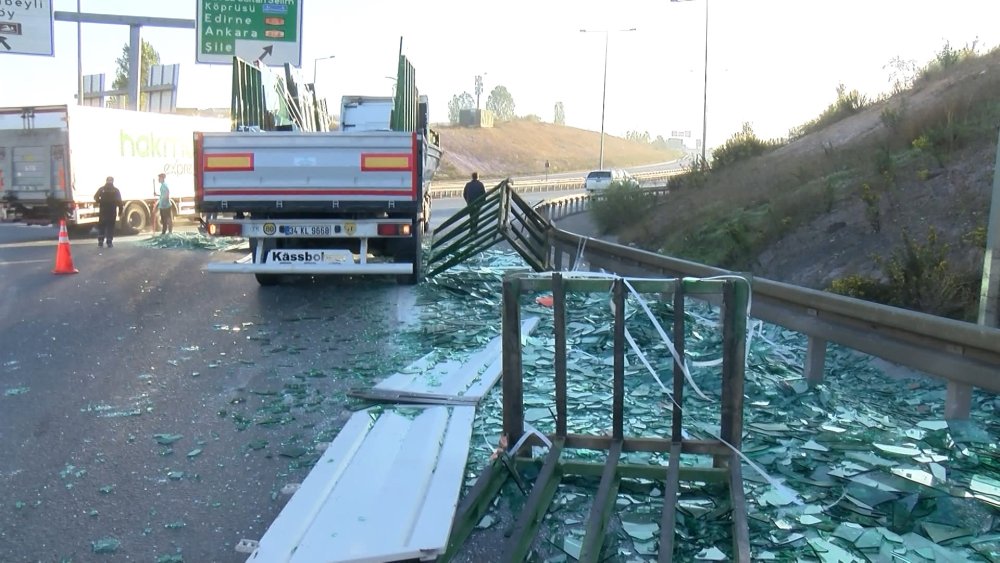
(599, 180)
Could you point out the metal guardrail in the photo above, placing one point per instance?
(966, 355)
(646, 180)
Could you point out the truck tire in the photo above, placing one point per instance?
(136, 217)
(413, 253)
(267, 280)
(264, 280)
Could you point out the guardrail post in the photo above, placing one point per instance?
(815, 360)
(958, 401)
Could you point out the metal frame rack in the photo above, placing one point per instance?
(726, 467)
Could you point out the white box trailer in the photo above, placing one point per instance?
(54, 158)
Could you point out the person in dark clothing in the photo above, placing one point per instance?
(474, 190)
(109, 203)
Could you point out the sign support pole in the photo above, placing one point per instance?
(134, 66)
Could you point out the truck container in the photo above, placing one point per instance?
(352, 201)
(54, 158)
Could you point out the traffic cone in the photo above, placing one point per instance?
(64, 260)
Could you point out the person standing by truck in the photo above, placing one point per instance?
(109, 204)
(474, 190)
(166, 215)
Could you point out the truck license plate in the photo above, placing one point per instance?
(306, 230)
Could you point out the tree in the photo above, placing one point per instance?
(560, 117)
(148, 57)
(501, 103)
(479, 88)
(457, 104)
(638, 137)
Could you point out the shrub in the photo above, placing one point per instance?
(623, 203)
(741, 146)
(975, 238)
(918, 277)
(871, 199)
(861, 287)
(846, 105)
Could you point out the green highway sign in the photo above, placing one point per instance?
(266, 30)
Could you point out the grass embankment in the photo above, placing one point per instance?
(903, 175)
(521, 147)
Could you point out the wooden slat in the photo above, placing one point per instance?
(559, 325)
(651, 472)
(677, 416)
(704, 447)
(513, 391)
(523, 533)
(601, 509)
(668, 523)
(618, 382)
(741, 528)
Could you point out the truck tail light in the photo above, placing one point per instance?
(199, 168)
(394, 229)
(225, 229)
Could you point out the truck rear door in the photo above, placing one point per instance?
(322, 171)
(33, 156)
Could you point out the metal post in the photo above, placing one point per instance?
(989, 298)
(604, 96)
(134, 66)
(79, 60)
(815, 360)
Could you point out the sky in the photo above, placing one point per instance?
(773, 63)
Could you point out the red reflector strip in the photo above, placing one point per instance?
(229, 162)
(225, 229)
(386, 162)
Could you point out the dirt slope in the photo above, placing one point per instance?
(521, 148)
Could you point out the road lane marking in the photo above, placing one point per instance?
(16, 262)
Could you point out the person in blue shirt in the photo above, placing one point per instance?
(166, 216)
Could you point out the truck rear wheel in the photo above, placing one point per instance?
(136, 217)
(265, 280)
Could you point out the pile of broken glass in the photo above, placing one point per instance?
(862, 467)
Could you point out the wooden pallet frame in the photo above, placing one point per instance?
(726, 467)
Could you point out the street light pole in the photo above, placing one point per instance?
(314, 67)
(704, 108)
(604, 94)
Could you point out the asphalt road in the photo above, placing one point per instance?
(147, 403)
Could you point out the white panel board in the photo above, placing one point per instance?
(471, 378)
(385, 490)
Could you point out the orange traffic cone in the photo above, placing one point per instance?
(64, 260)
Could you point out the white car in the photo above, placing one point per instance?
(599, 180)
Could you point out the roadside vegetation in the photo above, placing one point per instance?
(521, 146)
(902, 174)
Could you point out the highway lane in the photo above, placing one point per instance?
(140, 344)
(146, 402)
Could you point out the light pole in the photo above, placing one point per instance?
(704, 108)
(604, 95)
(314, 67)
